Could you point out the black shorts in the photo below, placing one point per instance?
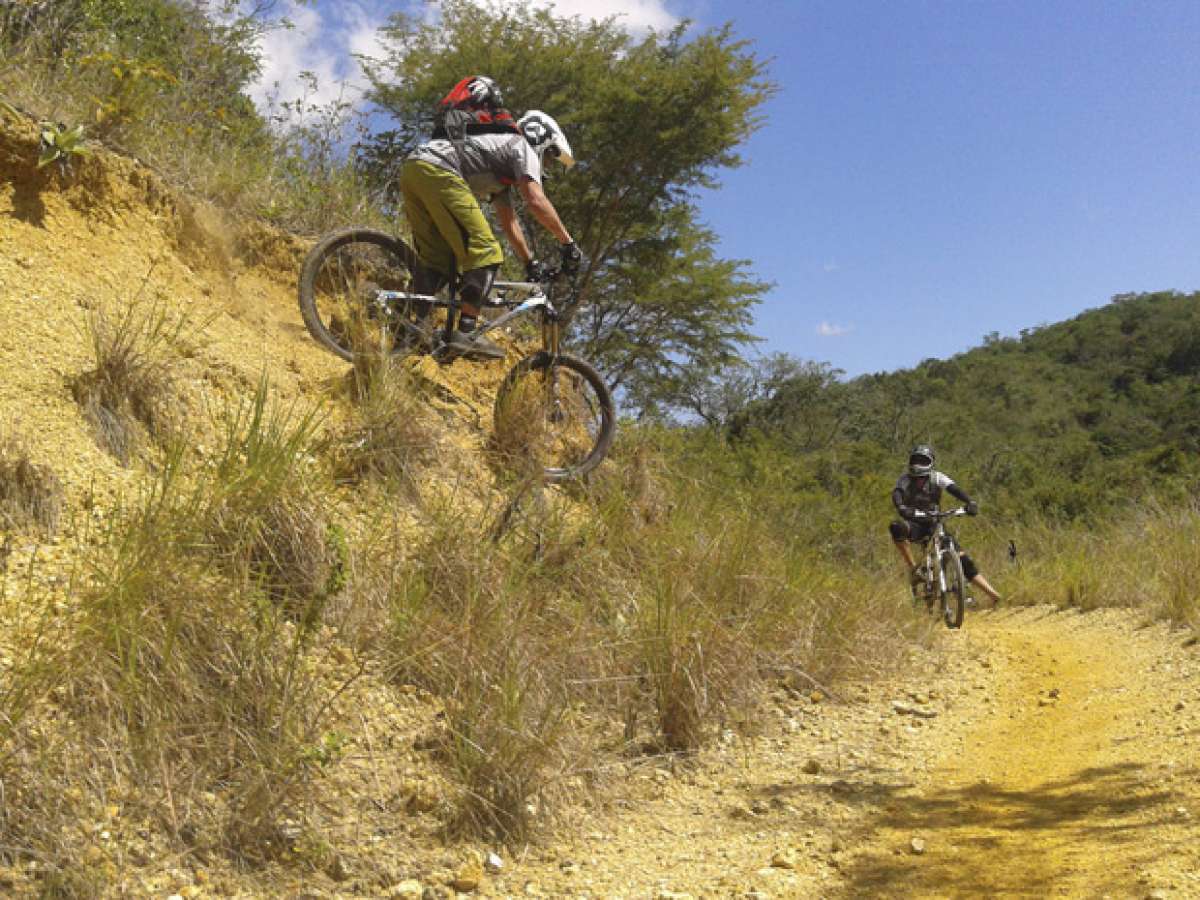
(909, 530)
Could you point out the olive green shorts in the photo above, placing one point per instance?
(447, 223)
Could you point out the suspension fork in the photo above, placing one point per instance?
(551, 343)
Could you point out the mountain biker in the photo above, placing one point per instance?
(442, 181)
(919, 490)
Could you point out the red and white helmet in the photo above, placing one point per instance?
(474, 92)
(546, 137)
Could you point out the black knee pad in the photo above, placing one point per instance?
(970, 570)
(427, 280)
(899, 531)
(477, 284)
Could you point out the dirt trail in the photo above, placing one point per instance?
(1079, 782)
(1043, 754)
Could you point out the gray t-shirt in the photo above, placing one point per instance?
(490, 163)
(923, 493)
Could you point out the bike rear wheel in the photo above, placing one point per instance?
(954, 597)
(554, 413)
(338, 285)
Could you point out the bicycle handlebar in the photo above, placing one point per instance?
(944, 514)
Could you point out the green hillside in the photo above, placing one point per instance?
(1066, 420)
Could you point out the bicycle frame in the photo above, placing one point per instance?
(940, 540)
(519, 297)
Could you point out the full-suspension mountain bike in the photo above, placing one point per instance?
(552, 408)
(940, 581)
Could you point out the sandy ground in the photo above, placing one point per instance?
(1041, 754)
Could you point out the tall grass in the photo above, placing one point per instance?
(1145, 558)
(191, 665)
(646, 613)
(126, 394)
(31, 495)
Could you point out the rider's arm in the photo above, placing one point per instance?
(511, 225)
(955, 491)
(542, 209)
(898, 502)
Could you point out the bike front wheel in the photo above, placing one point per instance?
(339, 286)
(954, 597)
(556, 414)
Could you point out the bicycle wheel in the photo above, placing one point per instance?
(555, 413)
(338, 285)
(954, 596)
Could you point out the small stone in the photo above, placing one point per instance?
(1053, 695)
(468, 879)
(784, 859)
(1180, 706)
(409, 889)
(493, 863)
(812, 767)
(918, 846)
(1045, 701)
(816, 697)
(760, 807)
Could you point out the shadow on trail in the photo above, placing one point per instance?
(985, 839)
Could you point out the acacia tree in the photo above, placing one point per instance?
(652, 120)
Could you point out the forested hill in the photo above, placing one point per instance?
(1066, 420)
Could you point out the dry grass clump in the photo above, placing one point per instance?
(264, 516)
(390, 435)
(31, 495)
(646, 614)
(467, 623)
(125, 396)
(183, 672)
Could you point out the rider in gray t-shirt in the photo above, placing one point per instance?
(489, 163)
(920, 490)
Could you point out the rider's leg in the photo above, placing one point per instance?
(901, 534)
(973, 575)
(987, 588)
(476, 285)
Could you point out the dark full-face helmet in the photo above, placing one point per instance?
(920, 460)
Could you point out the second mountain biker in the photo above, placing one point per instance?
(920, 490)
(442, 181)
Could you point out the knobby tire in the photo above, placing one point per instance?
(954, 600)
(396, 261)
(599, 400)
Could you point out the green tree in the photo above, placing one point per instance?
(652, 119)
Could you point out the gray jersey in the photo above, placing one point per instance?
(489, 163)
(923, 493)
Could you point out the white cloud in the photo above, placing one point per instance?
(635, 15)
(828, 329)
(831, 266)
(322, 40)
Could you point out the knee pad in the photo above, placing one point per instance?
(477, 284)
(970, 570)
(427, 280)
(899, 531)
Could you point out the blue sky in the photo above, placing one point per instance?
(931, 171)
